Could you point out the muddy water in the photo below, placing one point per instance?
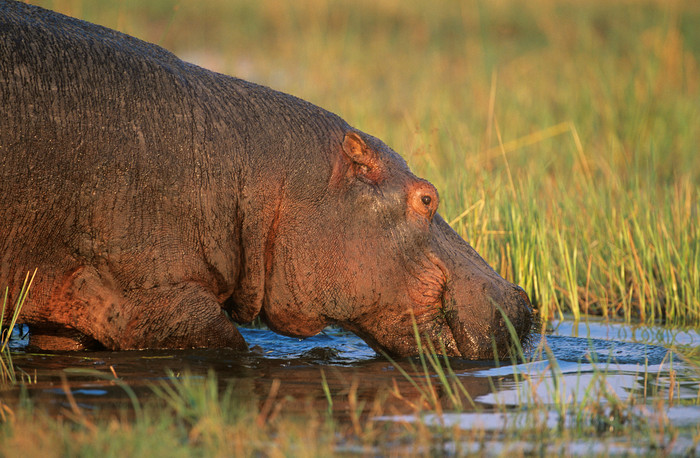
(636, 360)
(348, 364)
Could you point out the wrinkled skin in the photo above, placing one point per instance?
(157, 199)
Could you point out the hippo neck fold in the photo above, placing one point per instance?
(288, 154)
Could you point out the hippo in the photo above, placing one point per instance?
(162, 204)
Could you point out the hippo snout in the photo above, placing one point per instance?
(476, 315)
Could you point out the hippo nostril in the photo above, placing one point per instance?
(426, 200)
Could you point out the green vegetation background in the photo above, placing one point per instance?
(562, 135)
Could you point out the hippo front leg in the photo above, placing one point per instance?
(185, 315)
(89, 310)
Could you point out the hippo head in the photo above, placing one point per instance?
(364, 248)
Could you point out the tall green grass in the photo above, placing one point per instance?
(562, 135)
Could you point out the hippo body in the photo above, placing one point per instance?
(161, 202)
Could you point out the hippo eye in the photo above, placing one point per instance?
(426, 200)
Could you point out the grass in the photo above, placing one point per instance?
(7, 371)
(8, 374)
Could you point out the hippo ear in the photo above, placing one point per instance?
(363, 157)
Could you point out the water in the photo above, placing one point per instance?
(589, 363)
(635, 361)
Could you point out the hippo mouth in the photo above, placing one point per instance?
(478, 339)
(466, 308)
